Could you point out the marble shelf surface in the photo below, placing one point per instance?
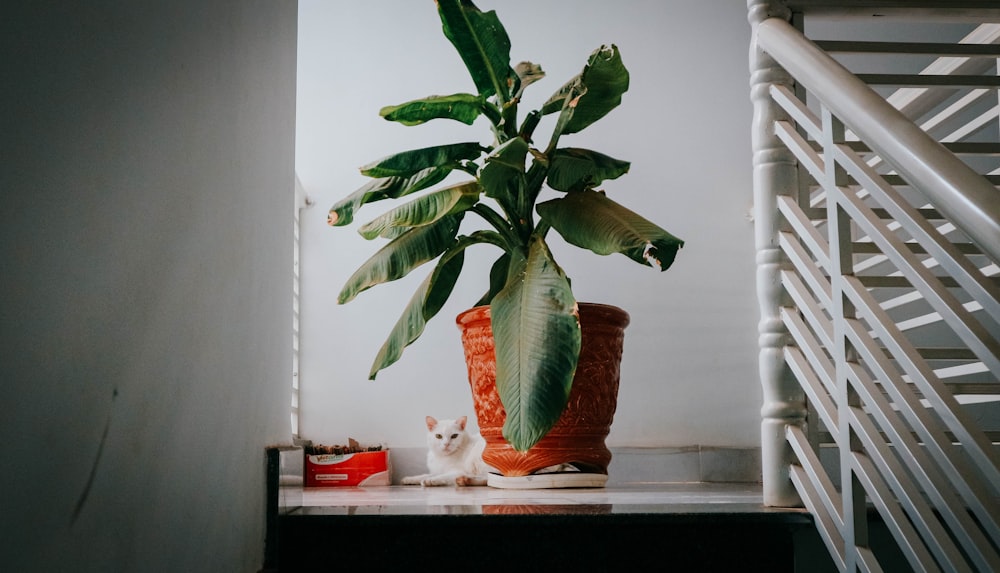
(638, 498)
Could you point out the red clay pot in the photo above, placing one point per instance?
(578, 437)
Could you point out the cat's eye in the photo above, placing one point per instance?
(453, 436)
(438, 436)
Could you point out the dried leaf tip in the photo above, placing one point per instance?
(332, 218)
(651, 255)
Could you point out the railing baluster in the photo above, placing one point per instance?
(815, 388)
(823, 489)
(936, 486)
(910, 543)
(813, 276)
(841, 263)
(977, 446)
(829, 528)
(820, 324)
(807, 233)
(972, 332)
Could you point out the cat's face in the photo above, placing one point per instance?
(446, 436)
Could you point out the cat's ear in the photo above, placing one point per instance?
(461, 421)
(431, 422)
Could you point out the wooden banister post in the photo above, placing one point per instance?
(774, 174)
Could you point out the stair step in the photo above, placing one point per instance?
(957, 147)
(912, 48)
(684, 527)
(820, 213)
(903, 282)
(826, 438)
(916, 248)
(930, 80)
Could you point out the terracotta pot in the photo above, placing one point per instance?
(578, 437)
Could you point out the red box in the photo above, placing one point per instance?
(359, 469)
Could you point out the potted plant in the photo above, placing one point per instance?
(532, 314)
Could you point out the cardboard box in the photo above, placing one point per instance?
(358, 469)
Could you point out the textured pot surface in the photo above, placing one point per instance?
(578, 437)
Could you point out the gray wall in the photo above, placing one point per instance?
(147, 172)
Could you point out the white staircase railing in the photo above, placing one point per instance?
(880, 304)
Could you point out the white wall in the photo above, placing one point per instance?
(148, 165)
(689, 374)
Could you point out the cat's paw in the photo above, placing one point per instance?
(412, 480)
(466, 481)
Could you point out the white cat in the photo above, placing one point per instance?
(454, 456)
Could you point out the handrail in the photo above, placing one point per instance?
(964, 196)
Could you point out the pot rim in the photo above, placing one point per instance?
(608, 312)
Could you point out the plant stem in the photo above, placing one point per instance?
(489, 237)
(534, 179)
(569, 106)
(529, 125)
(542, 228)
(496, 119)
(499, 223)
(510, 119)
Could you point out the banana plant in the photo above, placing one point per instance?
(533, 312)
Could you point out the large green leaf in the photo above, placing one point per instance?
(460, 107)
(425, 303)
(537, 334)
(590, 220)
(503, 175)
(423, 210)
(407, 163)
(342, 212)
(483, 44)
(574, 169)
(402, 255)
(602, 82)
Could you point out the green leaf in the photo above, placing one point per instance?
(503, 175)
(423, 210)
(600, 87)
(483, 44)
(557, 101)
(342, 212)
(573, 169)
(407, 163)
(498, 279)
(429, 298)
(402, 255)
(590, 220)
(537, 334)
(460, 107)
(425, 303)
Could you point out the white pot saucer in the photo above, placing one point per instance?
(547, 481)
